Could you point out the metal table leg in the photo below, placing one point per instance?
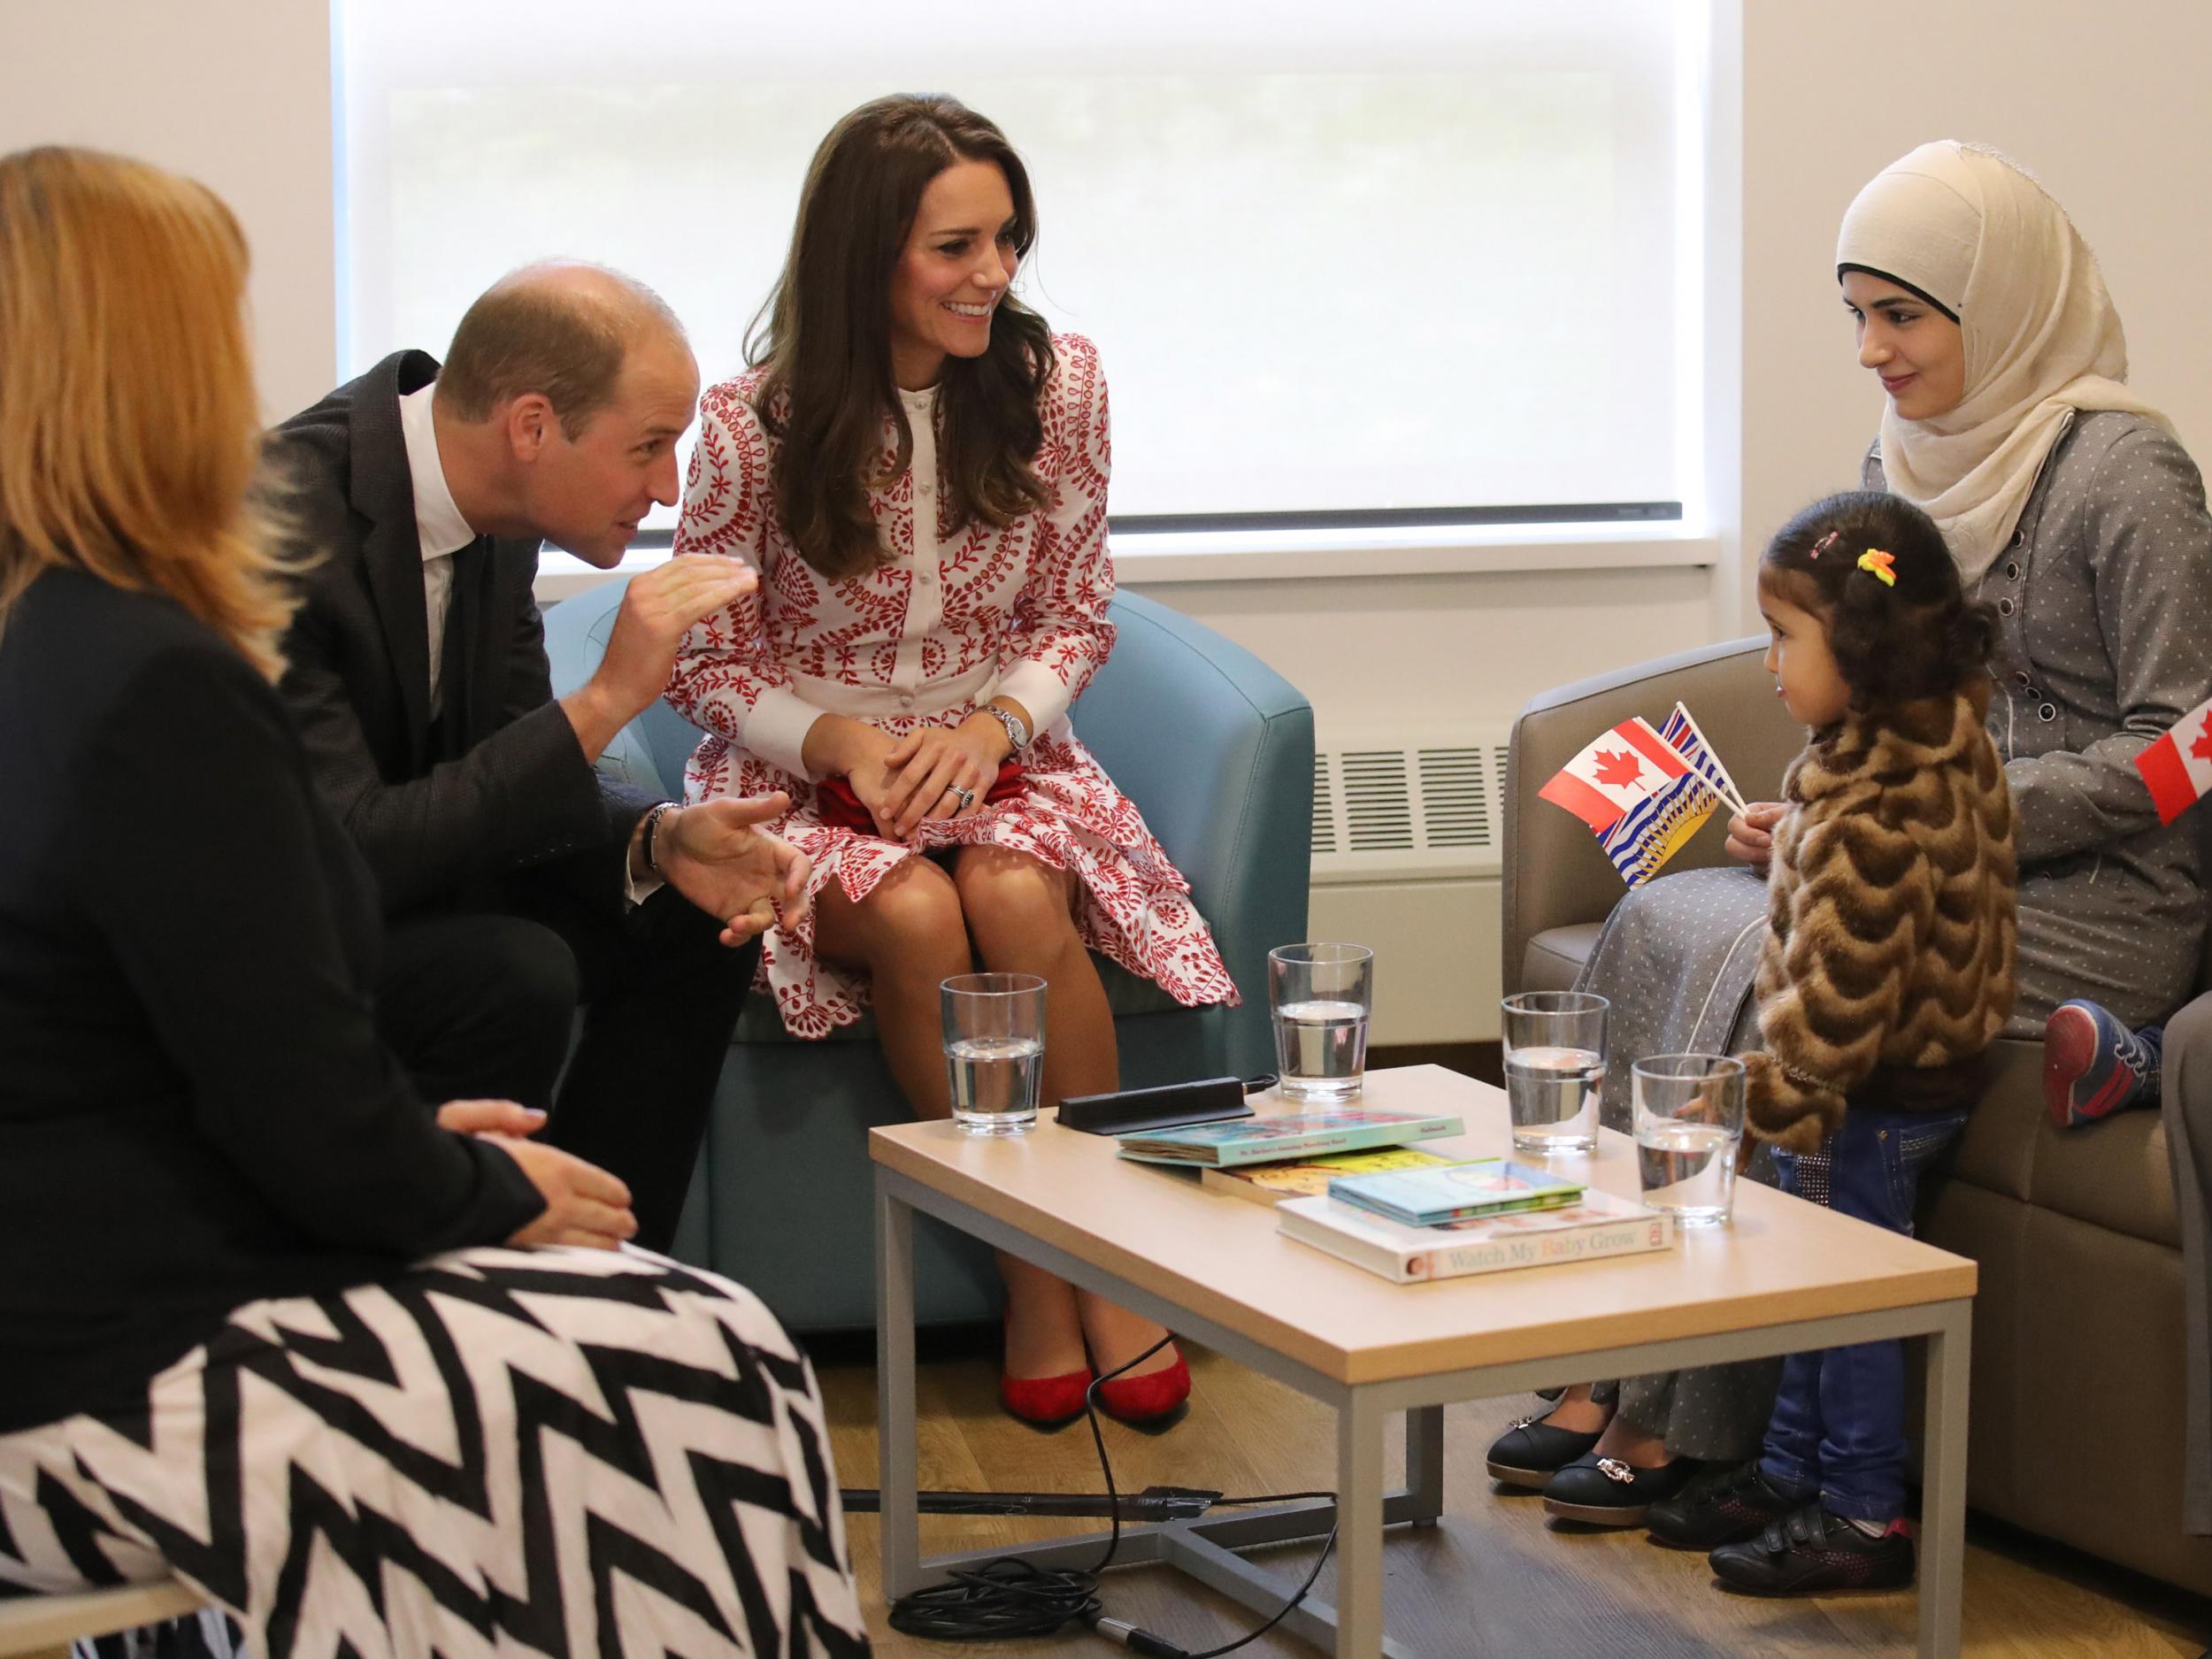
(1359, 1512)
(1943, 1483)
(901, 1535)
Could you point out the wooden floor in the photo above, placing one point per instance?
(1496, 1580)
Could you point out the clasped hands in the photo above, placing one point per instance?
(936, 771)
(584, 1205)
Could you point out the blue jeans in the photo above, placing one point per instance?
(1839, 1424)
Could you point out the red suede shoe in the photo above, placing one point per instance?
(1142, 1399)
(1047, 1401)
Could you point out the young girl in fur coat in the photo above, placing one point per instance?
(1887, 972)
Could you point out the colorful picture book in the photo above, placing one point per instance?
(1487, 1186)
(1309, 1178)
(1598, 1226)
(1291, 1135)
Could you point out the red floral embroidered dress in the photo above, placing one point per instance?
(955, 619)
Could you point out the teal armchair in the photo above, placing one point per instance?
(1217, 750)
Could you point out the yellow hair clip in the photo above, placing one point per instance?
(1874, 562)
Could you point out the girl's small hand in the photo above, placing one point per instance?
(929, 765)
(1751, 833)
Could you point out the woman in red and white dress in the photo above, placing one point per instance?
(917, 468)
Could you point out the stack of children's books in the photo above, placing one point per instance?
(1482, 1216)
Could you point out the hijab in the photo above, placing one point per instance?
(1971, 232)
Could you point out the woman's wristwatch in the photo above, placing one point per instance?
(1016, 733)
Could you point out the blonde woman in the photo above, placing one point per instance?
(268, 1322)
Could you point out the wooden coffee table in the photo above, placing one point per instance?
(1783, 1276)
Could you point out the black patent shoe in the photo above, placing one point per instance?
(1606, 1491)
(1725, 1504)
(1810, 1552)
(1532, 1451)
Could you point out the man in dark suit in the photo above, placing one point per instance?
(516, 880)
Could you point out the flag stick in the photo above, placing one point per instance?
(1726, 797)
(1727, 788)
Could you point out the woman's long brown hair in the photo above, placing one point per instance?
(824, 336)
(129, 431)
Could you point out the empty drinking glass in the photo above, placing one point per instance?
(1554, 1067)
(1321, 995)
(995, 1049)
(1689, 1124)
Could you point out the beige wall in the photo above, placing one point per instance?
(236, 93)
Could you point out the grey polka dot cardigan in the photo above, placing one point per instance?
(2104, 597)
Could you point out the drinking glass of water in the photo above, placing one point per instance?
(1321, 995)
(1689, 1124)
(1555, 1066)
(995, 1049)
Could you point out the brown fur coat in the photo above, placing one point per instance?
(1888, 961)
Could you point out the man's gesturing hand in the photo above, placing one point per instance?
(714, 855)
(656, 609)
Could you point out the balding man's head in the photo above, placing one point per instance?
(561, 329)
(566, 390)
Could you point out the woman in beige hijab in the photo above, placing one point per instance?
(2073, 510)
(2072, 507)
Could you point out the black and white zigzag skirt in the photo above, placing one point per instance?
(503, 1452)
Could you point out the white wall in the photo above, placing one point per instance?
(235, 93)
(2105, 105)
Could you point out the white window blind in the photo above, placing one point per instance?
(1412, 255)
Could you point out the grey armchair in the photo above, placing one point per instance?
(1214, 747)
(2079, 1381)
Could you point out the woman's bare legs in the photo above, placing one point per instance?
(910, 934)
(1021, 914)
(910, 937)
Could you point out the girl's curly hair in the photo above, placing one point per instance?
(1916, 637)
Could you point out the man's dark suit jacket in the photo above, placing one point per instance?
(502, 783)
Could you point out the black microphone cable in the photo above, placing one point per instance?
(1007, 1597)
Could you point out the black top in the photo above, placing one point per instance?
(440, 808)
(194, 1109)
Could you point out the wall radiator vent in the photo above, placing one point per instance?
(1433, 812)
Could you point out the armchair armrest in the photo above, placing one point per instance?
(1556, 876)
(1216, 748)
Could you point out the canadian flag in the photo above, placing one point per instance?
(1608, 779)
(2179, 766)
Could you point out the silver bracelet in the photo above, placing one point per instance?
(652, 823)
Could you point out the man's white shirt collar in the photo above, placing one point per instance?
(438, 526)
